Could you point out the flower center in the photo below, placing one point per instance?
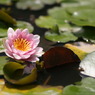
(22, 44)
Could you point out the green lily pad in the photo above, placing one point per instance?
(29, 89)
(85, 87)
(87, 33)
(63, 36)
(58, 13)
(6, 18)
(74, 3)
(57, 16)
(5, 2)
(23, 25)
(46, 22)
(3, 61)
(31, 4)
(81, 13)
(34, 4)
(49, 2)
(20, 24)
(82, 16)
(1, 46)
(49, 22)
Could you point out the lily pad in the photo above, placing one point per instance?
(3, 61)
(6, 18)
(16, 73)
(87, 33)
(1, 46)
(85, 87)
(5, 2)
(23, 25)
(58, 13)
(31, 4)
(80, 14)
(88, 65)
(58, 56)
(34, 4)
(29, 89)
(46, 21)
(83, 17)
(20, 24)
(64, 36)
(57, 16)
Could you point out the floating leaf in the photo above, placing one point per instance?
(79, 13)
(83, 17)
(31, 4)
(58, 13)
(85, 87)
(20, 24)
(88, 65)
(46, 22)
(75, 3)
(29, 89)
(57, 16)
(5, 2)
(61, 36)
(23, 25)
(34, 4)
(59, 55)
(5, 17)
(14, 73)
(3, 61)
(87, 33)
(1, 46)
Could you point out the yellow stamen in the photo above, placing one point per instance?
(22, 44)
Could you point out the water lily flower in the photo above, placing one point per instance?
(21, 45)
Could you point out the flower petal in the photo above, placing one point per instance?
(24, 33)
(7, 46)
(25, 56)
(33, 59)
(8, 53)
(18, 31)
(39, 51)
(10, 32)
(17, 56)
(30, 52)
(35, 41)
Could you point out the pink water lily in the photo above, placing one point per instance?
(21, 45)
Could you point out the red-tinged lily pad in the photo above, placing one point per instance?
(59, 55)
